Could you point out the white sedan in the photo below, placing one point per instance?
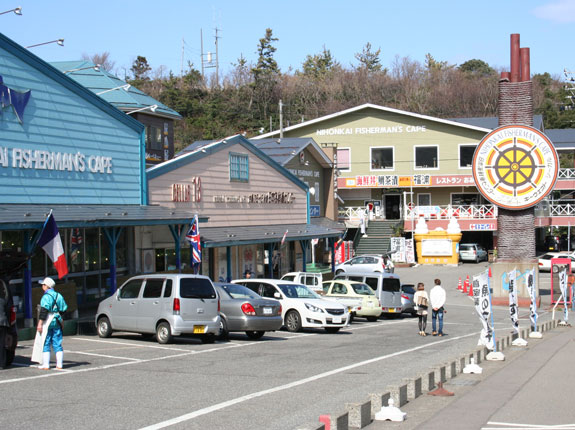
(301, 307)
(364, 263)
(545, 260)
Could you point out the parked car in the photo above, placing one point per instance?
(407, 303)
(472, 252)
(11, 338)
(301, 307)
(166, 305)
(552, 243)
(387, 288)
(243, 310)
(364, 263)
(544, 261)
(312, 280)
(358, 295)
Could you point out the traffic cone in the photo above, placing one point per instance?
(467, 285)
(489, 274)
(459, 286)
(470, 291)
(464, 291)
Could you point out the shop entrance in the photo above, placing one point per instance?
(392, 206)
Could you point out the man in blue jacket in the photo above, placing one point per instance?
(52, 306)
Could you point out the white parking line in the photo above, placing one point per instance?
(293, 384)
(102, 355)
(130, 344)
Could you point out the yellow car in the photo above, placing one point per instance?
(356, 295)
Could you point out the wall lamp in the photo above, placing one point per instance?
(58, 41)
(151, 107)
(125, 87)
(96, 68)
(17, 11)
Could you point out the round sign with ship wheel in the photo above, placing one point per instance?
(515, 166)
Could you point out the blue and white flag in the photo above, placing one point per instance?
(193, 236)
(532, 290)
(513, 311)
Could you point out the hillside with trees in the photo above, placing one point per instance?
(247, 99)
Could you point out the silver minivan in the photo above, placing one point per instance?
(166, 305)
(387, 288)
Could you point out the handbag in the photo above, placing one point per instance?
(422, 301)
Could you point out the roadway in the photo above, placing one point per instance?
(279, 382)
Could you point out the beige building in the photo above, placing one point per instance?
(249, 201)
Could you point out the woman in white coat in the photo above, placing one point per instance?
(421, 303)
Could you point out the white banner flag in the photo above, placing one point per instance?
(563, 288)
(532, 290)
(482, 300)
(513, 299)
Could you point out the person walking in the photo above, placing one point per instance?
(421, 303)
(437, 299)
(52, 305)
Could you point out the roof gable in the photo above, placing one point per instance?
(203, 151)
(286, 149)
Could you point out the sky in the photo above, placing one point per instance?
(450, 30)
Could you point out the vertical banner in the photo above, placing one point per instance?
(532, 290)
(409, 251)
(482, 300)
(563, 288)
(513, 299)
(398, 249)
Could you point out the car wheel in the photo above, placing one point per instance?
(338, 272)
(332, 329)
(255, 334)
(104, 327)
(208, 338)
(293, 321)
(372, 319)
(224, 332)
(163, 333)
(9, 357)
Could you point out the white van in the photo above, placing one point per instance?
(312, 280)
(166, 305)
(387, 288)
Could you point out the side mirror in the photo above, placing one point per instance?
(277, 295)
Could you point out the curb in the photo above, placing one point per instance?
(360, 415)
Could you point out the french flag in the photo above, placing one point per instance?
(51, 243)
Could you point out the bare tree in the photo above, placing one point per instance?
(102, 59)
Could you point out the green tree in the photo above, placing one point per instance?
(476, 67)
(140, 69)
(319, 65)
(266, 65)
(369, 60)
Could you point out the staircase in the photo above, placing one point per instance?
(378, 238)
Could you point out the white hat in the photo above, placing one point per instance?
(49, 282)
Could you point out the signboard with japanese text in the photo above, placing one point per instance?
(515, 166)
(399, 181)
(436, 247)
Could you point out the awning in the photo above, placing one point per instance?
(213, 237)
(23, 217)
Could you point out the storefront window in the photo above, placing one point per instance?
(381, 158)
(76, 250)
(160, 260)
(153, 137)
(92, 247)
(465, 199)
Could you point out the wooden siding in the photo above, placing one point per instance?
(57, 120)
(213, 169)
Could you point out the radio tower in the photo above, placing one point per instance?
(570, 88)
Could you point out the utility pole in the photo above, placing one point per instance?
(217, 61)
(207, 59)
(281, 120)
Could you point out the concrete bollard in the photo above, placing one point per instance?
(379, 400)
(428, 380)
(398, 394)
(460, 363)
(440, 373)
(450, 369)
(359, 414)
(335, 422)
(413, 387)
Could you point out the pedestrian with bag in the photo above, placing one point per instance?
(437, 297)
(421, 303)
(50, 325)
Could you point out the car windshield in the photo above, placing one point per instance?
(362, 289)
(408, 289)
(297, 291)
(239, 292)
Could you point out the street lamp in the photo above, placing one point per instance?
(96, 68)
(17, 11)
(125, 87)
(58, 41)
(151, 107)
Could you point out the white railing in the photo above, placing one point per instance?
(563, 208)
(566, 173)
(353, 214)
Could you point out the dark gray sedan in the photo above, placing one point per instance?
(243, 310)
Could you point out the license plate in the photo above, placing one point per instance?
(267, 311)
(199, 329)
(370, 304)
(336, 320)
(391, 309)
